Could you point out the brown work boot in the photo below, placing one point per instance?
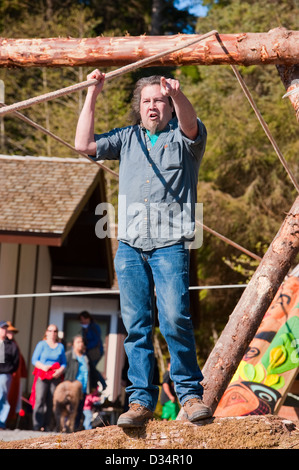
(136, 416)
(196, 410)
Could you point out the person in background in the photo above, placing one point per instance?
(15, 390)
(92, 337)
(170, 406)
(90, 400)
(9, 362)
(49, 361)
(80, 367)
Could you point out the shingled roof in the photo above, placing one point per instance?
(41, 197)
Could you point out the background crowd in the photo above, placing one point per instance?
(54, 364)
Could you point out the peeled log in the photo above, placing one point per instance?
(278, 46)
(251, 308)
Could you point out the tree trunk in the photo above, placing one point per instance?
(251, 308)
(290, 78)
(278, 46)
(156, 18)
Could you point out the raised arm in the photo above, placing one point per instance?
(84, 140)
(184, 110)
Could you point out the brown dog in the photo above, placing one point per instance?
(66, 398)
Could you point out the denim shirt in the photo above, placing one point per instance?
(157, 184)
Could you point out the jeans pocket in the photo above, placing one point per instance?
(120, 259)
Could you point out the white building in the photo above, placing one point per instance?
(48, 246)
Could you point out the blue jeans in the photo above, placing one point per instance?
(168, 270)
(87, 419)
(5, 381)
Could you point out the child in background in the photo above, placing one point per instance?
(90, 400)
(170, 406)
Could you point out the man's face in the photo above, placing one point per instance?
(3, 332)
(155, 109)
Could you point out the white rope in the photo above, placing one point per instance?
(220, 286)
(105, 292)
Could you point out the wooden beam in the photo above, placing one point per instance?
(278, 46)
(251, 308)
(26, 238)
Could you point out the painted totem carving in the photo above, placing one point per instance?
(271, 363)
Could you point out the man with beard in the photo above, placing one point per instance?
(159, 158)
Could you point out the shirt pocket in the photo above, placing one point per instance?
(171, 158)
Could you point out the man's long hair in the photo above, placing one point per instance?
(136, 98)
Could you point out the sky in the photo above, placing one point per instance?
(195, 7)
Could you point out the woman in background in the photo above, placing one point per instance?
(79, 367)
(50, 361)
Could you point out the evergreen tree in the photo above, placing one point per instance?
(245, 190)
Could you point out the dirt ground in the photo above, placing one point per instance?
(250, 432)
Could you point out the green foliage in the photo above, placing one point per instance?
(234, 16)
(245, 265)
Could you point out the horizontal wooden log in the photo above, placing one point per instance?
(278, 46)
(118, 447)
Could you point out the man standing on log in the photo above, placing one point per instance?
(159, 158)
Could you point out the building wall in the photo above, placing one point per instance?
(25, 269)
(9, 255)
